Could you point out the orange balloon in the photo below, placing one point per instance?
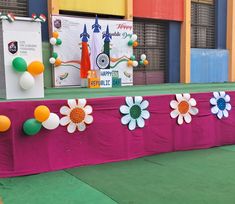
(58, 62)
(135, 44)
(146, 62)
(41, 113)
(55, 34)
(35, 68)
(5, 123)
(130, 63)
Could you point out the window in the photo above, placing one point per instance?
(17, 7)
(203, 24)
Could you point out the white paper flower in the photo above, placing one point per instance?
(221, 104)
(77, 115)
(134, 112)
(183, 108)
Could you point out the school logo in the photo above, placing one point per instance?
(13, 47)
(57, 23)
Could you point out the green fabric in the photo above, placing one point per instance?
(49, 188)
(148, 90)
(193, 177)
(228, 147)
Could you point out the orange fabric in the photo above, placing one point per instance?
(85, 61)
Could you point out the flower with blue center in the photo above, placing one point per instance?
(221, 104)
(135, 112)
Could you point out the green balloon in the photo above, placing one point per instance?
(141, 62)
(31, 127)
(58, 41)
(133, 58)
(19, 64)
(55, 55)
(130, 42)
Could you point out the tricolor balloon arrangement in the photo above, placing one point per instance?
(133, 41)
(144, 60)
(29, 72)
(55, 41)
(132, 62)
(42, 118)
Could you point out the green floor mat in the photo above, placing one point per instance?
(192, 177)
(228, 147)
(50, 188)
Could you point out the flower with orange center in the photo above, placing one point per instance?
(183, 108)
(76, 115)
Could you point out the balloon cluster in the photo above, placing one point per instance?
(55, 40)
(42, 118)
(133, 41)
(27, 80)
(5, 123)
(144, 60)
(132, 62)
(55, 60)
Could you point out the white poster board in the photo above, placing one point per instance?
(26, 36)
(70, 28)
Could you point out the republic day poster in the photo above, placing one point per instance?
(70, 28)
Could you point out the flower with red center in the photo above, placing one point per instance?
(76, 115)
(183, 108)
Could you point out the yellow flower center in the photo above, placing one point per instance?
(183, 107)
(77, 115)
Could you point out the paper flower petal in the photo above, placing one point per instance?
(180, 120)
(64, 121)
(179, 97)
(65, 110)
(227, 98)
(174, 104)
(125, 119)
(129, 101)
(138, 99)
(228, 106)
(222, 94)
(145, 114)
(192, 102)
(71, 127)
(220, 114)
(88, 119)
(187, 118)
(124, 109)
(81, 127)
(213, 101)
(132, 124)
(144, 104)
(225, 113)
(215, 109)
(140, 122)
(88, 109)
(72, 103)
(174, 113)
(186, 96)
(81, 103)
(216, 95)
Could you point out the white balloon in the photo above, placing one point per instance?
(143, 57)
(135, 63)
(53, 41)
(52, 122)
(52, 60)
(27, 81)
(134, 37)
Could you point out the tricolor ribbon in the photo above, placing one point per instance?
(42, 18)
(10, 17)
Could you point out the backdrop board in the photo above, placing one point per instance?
(70, 28)
(21, 38)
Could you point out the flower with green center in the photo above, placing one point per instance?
(135, 112)
(221, 105)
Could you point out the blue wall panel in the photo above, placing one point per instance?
(173, 55)
(209, 65)
(221, 23)
(40, 7)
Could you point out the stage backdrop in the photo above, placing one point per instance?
(70, 28)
